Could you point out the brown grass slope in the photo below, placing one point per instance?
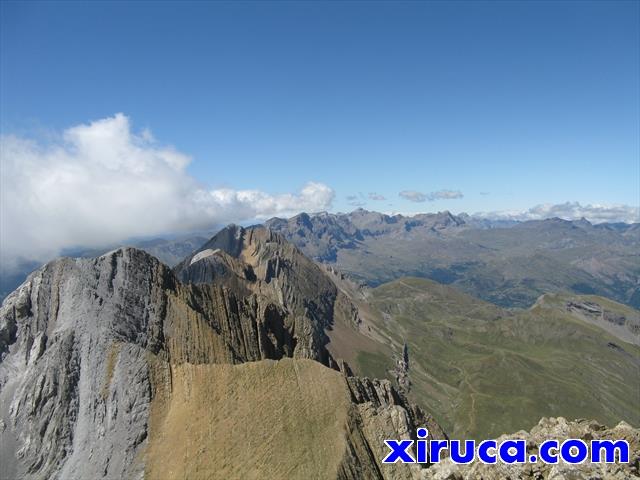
(268, 419)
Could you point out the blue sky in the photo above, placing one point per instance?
(512, 104)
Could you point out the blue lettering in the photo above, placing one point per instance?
(421, 445)
(545, 451)
(398, 451)
(520, 455)
(483, 451)
(469, 451)
(579, 456)
(609, 447)
(435, 447)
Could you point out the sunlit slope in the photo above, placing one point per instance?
(483, 370)
(265, 419)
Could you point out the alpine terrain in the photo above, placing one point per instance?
(119, 367)
(250, 360)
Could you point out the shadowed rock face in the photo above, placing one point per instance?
(91, 348)
(258, 262)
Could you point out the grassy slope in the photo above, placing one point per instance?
(483, 370)
(267, 419)
(627, 330)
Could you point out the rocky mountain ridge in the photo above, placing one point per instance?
(509, 265)
(93, 350)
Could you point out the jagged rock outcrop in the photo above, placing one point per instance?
(401, 370)
(260, 262)
(556, 429)
(91, 348)
(380, 412)
(624, 327)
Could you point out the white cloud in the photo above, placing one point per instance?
(571, 211)
(102, 183)
(376, 196)
(413, 196)
(420, 197)
(445, 195)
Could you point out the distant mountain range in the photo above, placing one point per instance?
(510, 266)
(505, 262)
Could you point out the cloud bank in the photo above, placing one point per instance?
(102, 183)
(419, 197)
(570, 211)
